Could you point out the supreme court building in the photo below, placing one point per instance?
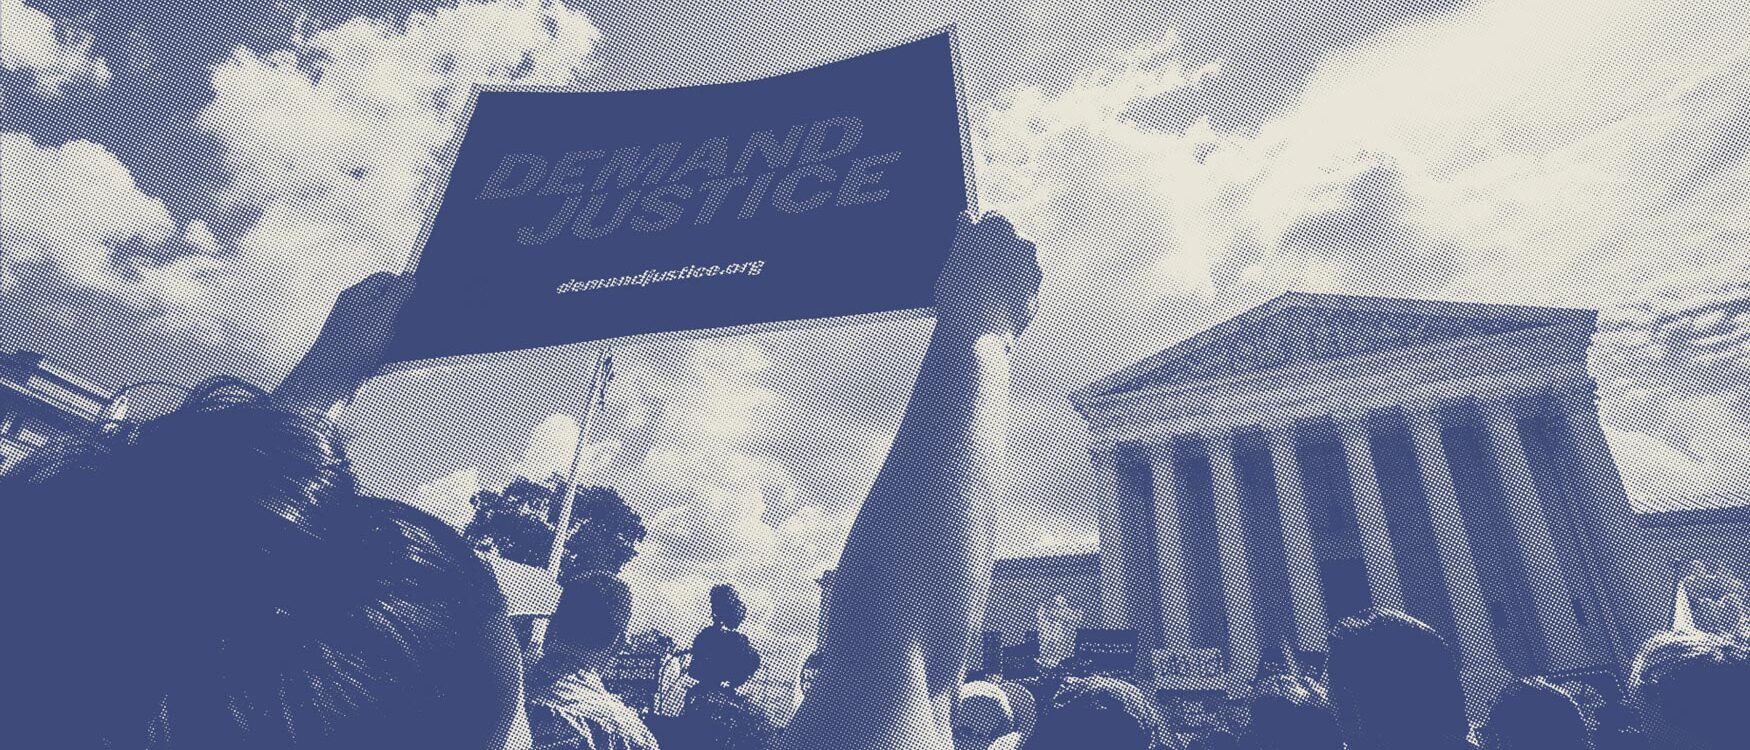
(1319, 454)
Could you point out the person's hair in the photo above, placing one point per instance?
(1290, 711)
(1394, 683)
(727, 608)
(213, 578)
(1098, 712)
(1617, 728)
(1691, 687)
(982, 711)
(1532, 714)
(720, 720)
(593, 613)
(1215, 739)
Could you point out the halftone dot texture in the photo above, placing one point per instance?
(186, 194)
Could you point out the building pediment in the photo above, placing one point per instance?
(1300, 328)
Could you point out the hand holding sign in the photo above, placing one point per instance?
(351, 345)
(828, 194)
(990, 284)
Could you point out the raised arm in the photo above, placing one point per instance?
(350, 347)
(912, 582)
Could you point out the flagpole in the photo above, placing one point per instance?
(595, 398)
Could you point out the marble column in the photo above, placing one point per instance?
(1483, 672)
(1549, 583)
(1641, 585)
(1297, 543)
(1171, 565)
(1117, 543)
(1370, 520)
(1236, 577)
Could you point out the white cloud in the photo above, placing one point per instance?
(1506, 152)
(550, 448)
(68, 210)
(723, 504)
(328, 142)
(447, 497)
(1672, 370)
(55, 55)
(336, 139)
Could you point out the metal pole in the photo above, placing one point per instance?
(595, 397)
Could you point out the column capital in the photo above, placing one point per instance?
(1425, 415)
(1219, 436)
(1350, 413)
(1507, 402)
(1426, 406)
(1162, 448)
(1279, 422)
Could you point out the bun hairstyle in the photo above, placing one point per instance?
(212, 578)
(727, 608)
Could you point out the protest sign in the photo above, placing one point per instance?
(571, 216)
(1106, 650)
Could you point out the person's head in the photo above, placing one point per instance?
(1532, 714)
(981, 714)
(1022, 706)
(1394, 683)
(720, 720)
(727, 608)
(1691, 689)
(1215, 739)
(213, 578)
(589, 625)
(1618, 728)
(1098, 712)
(1290, 711)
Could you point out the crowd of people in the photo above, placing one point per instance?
(1392, 682)
(214, 578)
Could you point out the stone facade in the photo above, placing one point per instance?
(39, 402)
(1321, 453)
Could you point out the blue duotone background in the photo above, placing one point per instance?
(480, 291)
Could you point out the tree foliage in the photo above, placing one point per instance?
(519, 521)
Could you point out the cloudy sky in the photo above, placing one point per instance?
(184, 187)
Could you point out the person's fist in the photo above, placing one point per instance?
(352, 342)
(990, 283)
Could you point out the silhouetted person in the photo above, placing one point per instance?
(909, 593)
(1394, 684)
(722, 657)
(1099, 712)
(1290, 712)
(1693, 689)
(1532, 714)
(568, 705)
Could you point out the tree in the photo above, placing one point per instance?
(605, 533)
(520, 520)
(514, 521)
